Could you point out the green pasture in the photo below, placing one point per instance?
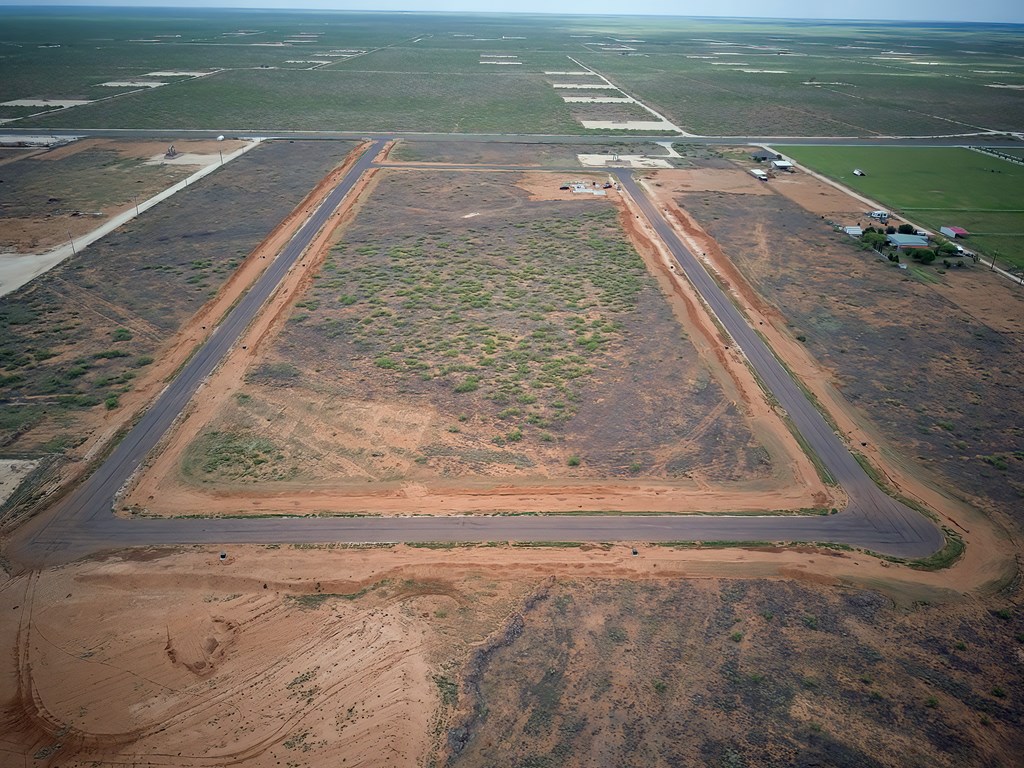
(936, 187)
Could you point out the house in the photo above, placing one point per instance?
(762, 155)
(853, 231)
(783, 165)
(907, 242)
(953, 232)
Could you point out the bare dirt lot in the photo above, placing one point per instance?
(495, 351)
(85, 343)
(475, 655)
(953, 411)
(744, 673)
(49, 196)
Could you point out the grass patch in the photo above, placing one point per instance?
(230, 455)
(718, 544)
(945, 557)
(315, 600)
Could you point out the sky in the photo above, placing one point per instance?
(1002, 11)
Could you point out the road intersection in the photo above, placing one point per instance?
(83, 522)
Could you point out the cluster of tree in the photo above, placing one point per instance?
(876, 239)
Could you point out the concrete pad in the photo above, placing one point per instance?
(12, 472)
(630, 125)
(598, 99)
(25, 140)
(177, 73)
(185, 158)
(584, 86)
(133, 84)
(45, 103)
(623, 161)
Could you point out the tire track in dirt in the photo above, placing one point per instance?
(129, 320)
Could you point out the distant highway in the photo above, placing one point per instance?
(83, 523)
(996, 141)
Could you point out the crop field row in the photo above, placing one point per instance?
(936, 188)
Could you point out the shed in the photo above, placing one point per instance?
(952, 232)
(853, 231)
(783, 165)
(858, 172)
(757, 173)
(907, 242)
(763, 154)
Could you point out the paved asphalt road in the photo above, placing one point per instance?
(83, 524)
(871, 508)
(989, 140)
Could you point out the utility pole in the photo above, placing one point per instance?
(73, 251)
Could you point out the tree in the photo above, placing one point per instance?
(906, 229)
(890, 230)
(924, 255)
(873, 239)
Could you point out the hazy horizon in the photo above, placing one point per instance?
(922, 11)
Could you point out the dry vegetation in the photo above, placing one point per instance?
(75, 339)
(741, 673)
(49, 195)
(955, 409)
(527, 338)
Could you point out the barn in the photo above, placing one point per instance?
(907, 242)
(954, 232)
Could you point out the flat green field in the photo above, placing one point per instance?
(339, 100)
(936, 187)
(441, 72)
